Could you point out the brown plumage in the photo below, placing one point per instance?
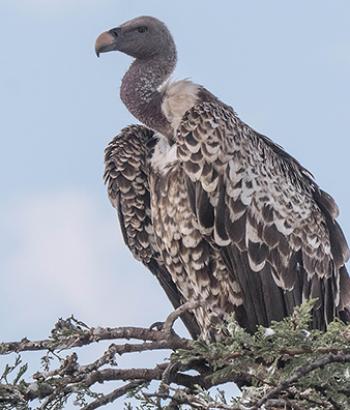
(215, 210)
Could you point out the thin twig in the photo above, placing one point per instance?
(114, 395)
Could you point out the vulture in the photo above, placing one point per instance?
(215, 210)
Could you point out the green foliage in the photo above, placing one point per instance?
(13, 375)
(269, 358)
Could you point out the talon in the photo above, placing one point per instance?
(157, 326)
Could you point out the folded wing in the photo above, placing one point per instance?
(126, 177)
(275, 227)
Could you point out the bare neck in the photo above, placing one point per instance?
(140, 90)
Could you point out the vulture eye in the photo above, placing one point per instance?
(142, 29)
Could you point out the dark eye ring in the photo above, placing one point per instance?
(142, 29)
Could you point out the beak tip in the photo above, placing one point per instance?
(105, 42)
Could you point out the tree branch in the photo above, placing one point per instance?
(285, 367)
(87, 337)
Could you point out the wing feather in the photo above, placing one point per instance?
(127, 183)
(275, 226)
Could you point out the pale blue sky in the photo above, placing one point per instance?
(283, 66)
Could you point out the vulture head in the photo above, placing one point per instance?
(142, 38)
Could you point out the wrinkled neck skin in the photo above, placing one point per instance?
(140, 90)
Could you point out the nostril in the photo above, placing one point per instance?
(115, 32)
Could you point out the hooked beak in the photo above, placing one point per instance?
(106, 41)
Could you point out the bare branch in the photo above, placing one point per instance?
(85, 338)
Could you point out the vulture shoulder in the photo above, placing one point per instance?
(126, 177)
(275, 227)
